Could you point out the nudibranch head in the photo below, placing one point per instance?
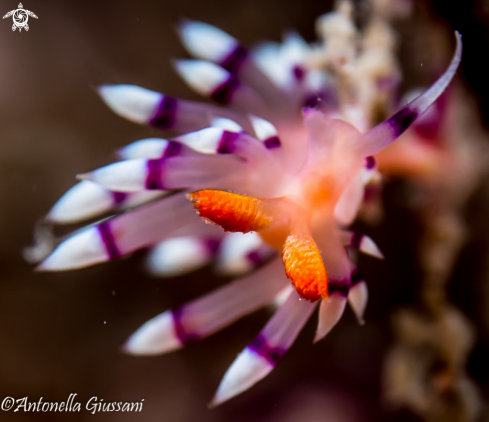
(274, 175)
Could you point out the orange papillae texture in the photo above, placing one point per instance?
(305, 267)
(232, 211)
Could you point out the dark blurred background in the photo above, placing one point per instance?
(61, 333)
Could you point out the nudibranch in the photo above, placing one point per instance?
(276, 168)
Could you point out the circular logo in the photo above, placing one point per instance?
(20, 17)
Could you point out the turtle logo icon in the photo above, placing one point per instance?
(20, 17)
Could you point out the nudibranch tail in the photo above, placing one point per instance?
(232, 211)
(305, 267)
(389, 130)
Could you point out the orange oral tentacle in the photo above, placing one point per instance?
(232, 211)
(305, 267)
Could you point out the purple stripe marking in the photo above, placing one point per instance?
(172, 149)
(234, 60)
(356, 239)
(227, 143)
(356, 277)
(118, 197)
(255, 257)
(370, 162)
(164, 116)
(183, 336)
(313, 101)
(212, 244)
(339, 286)
(155, 174)
(259, 256)
(109, 241)
(271, 354)
(299, 73)
(402, 120)
(224, 92)
(272, 142)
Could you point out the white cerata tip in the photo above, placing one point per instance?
(80, 250)
(124, 176)
(177, 256)
(369, 247)
(155, 337)
(131, 102)
(268, 59)
(84, 200)
(202, 76)
(226, 124)
(144, 148)
(205, 41)
(330, 312)
(263, 128)
(246, 370)
(358, 297)
(232, 258)
(205, 141)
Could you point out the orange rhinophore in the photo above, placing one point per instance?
(232, 211)
(304, 266)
